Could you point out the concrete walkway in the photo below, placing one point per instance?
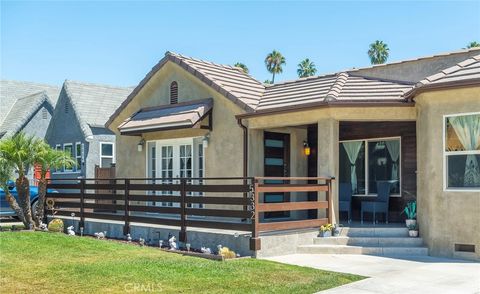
(393, 275)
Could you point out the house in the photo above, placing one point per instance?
(27, 107)
(391, 122)
(77, 126)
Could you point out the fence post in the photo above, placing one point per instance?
(182, 235)
(81, 223)
(255, 243)
(126, 227)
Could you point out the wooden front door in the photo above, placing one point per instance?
(276, 164)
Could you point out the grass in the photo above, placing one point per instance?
(55, 263)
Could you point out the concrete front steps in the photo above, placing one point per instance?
(386, 241)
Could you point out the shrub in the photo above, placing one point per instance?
(227, 253)
(55, 225)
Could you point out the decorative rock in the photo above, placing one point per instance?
(129, 238)
(99, 235)
(43, 227)
(206, 250)
(141, 241)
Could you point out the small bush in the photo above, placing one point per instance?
(55, 225)
(227, 253)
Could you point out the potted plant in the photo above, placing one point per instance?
(413, 230)
(326, 230)
(411, 212)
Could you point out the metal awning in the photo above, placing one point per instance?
(168, 117)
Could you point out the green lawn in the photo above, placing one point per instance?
(37, 262)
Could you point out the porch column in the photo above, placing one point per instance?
(327, 165)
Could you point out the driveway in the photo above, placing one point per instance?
(394, 275)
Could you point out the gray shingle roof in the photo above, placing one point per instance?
(94, 103)
(11, 91)
(341, 87)
(466, 70)
(21, 111)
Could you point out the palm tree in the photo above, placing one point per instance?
(242, 66)
(47, 158)
(19, 152)
(6, 172)
(473, 44)
(378, 52)
(267, 82)
(306, 68)
(274, 62)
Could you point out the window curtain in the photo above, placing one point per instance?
(467, 129)
(394, 151)
(352, 149)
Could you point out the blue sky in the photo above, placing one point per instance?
(118, 42)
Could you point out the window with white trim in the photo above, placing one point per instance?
(363, 163)
(107, 154)
(58, 147)
(68, 148)
(78, 156)
(461, 135)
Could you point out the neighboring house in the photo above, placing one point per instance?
(26, 107)
(77, 126)
(392, 122)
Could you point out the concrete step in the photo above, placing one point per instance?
(374, 232)
(370, 241)
(370, 250)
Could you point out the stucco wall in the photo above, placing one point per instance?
(224, 155)
(445, 217)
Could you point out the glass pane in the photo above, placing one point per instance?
(274, 161)
(384, 164)
(79, 150)
(106, 162)
(274, 143)
(273, 198)
(462, 133)
(107, 149)
(358, 169)
(463, 171)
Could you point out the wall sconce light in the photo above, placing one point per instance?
(306, 148)
(140, 145)
(205, 141)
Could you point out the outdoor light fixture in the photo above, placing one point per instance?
(140, 145)
(205, 140)
(306, 148)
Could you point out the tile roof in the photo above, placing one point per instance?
(11, 91)
(341, 87)
(21, 111)
(468, 69)
(94, 103)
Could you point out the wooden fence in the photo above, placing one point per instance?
(216, 203)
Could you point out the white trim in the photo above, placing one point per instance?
(65, 170)
(78, 168)
(445, 154)
(106, 156)
(400, 165)
(155, 126)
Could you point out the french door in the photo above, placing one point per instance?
(169, 160)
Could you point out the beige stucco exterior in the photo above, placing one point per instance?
(446, 218)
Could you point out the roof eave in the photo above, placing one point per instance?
(441, 86)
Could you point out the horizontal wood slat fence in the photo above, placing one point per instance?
(215, 203)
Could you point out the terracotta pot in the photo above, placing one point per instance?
(413, 233)
(409, 222)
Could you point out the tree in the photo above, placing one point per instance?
(473, 44)
(242, 66)
(274, 62)
(378, 52)
(267, 82)
(47, 158)
(19, 153)
(6, 172)
(306, 68)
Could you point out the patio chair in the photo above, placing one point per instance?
(380, 205)
(345, 199)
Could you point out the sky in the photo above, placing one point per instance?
(117, 43)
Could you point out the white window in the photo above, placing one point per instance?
(363, 163)
(461, 149)
(79, 155)
(107, 154)
(68, 148)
